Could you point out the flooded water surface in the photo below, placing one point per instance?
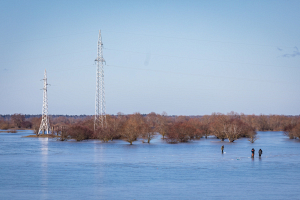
(41, 168)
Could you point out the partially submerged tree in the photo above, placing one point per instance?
(292, 131)
(233, 130)
(36, 122)
(231, 127)
(61, 131)
(206, 122)
(162, 125)
(80, 132)
(197, 128)
(219, 125)
(131, 129)
(147, 132)
(115, 124)
(104, 133)
(180, 132)
(252, 137)
(148, 125)
(172, 135)
(18, 120)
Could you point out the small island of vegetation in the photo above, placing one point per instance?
(173, 129)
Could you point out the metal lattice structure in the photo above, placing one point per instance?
(45, 127)
(100, 109)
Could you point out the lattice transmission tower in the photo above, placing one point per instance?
(45, 127)
(100, 109)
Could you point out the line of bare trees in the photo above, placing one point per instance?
(16, 121)
(174, 129)
(292, 131)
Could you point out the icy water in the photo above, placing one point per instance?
(41, 168)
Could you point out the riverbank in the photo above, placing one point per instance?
(42, 136)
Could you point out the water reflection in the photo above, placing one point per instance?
(98, 170)
(44, 145)
(44, 167)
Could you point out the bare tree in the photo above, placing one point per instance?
(132, 128)
(4, 124)
(80, 132)
(147, 131)
(148, 126)
(61, 132)
(18, 119)
(252, 137)
(206, 122)
(180, 132)
(233, 129)
(36, 121)
(219, 125)
(104, 133)
(162, 125)
(196, 124)
(292, 131)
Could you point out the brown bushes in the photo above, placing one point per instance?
(293, 131)
(132, 127)
(105, 134)
(174, 128)
(181, 132)
(79, 132)
(16, 121)
(183, 128)
(4, 126)
(222, 126)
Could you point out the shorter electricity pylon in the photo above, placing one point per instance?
(100, 109)
(44, 127)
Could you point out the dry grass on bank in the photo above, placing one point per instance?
(42, 136)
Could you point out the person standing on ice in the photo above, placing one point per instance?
(259, 152)
(222, 148)
(252, 151)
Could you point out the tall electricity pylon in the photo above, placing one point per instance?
(44, 127)
(100, 109)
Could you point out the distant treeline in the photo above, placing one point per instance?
(8, 117)
(174, 129)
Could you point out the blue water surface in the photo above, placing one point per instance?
(42, 168)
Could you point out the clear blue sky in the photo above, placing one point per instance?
(182, 57)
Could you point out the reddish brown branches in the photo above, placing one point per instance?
(174, 128)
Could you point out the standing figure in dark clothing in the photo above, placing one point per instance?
(259, 152)
(252, 151)
(222, 148)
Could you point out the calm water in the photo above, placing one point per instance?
(41, 168)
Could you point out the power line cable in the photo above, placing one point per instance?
(193, 74)
(151, 35)
(46, 38)
(162, 55)
(194, 39)
(182, 57)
